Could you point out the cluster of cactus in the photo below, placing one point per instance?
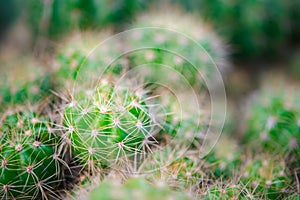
(31, 164)
(121, 126)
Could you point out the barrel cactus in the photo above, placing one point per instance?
(266, 177)
(135, 188)
(112, 124)
(273, 123)
(31, 164)
(187, 47)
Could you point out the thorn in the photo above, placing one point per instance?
(18, 147)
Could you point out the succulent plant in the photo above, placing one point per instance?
(23, 81)
(112, 124)
(160, 43)
(31, 164)
(224, 161)
(266, 177)
(224, 192)
(273, 124)
(135, 188)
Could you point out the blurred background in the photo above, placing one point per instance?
(263, 36)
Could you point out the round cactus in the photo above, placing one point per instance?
(83, 55)
(135, 188)
(273, 124)
(111, 124)
(224, 160)
(188, 46)
(31, 166)
(23, 82)
(224, 192)
(266, 177)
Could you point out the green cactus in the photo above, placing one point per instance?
(266, 177)
(81, 57)
(224, 160)
(108, 126)
(225, 192)
(273, 124)
(18, 87)
(135, 188)
(160, 47)
(31, 164)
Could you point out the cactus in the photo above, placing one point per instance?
(31, 166)
(135, 188)
(273, 125)
(160, 47)
(266, 177)
(81, 57)
(225, 159)
(224, 192)
(18, 87)
(110, 125)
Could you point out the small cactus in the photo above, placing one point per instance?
(273, 124)
(135, 188)
(110, 125)
(224, 192)
(31, 166)
(266, 177)
(224, 160)
(159, 47)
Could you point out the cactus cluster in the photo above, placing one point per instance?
(109, 127)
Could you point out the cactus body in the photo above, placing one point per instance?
(108, 125)
(30, 163)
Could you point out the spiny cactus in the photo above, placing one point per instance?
(110, 125)
(17, 86)
(84, 55)
(135, 188)
(266, 177)
(31, 164)
(224, 160)
(273, 124)
(224, 192)
(159, 46)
